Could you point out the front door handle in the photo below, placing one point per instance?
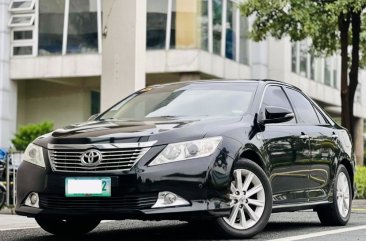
(335, 136)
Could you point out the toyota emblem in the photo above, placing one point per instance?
(91, 158)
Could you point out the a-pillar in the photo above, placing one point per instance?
(358, 136)
(124, 49)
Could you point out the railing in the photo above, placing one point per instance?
(12, 162)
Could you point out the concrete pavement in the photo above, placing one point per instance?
(302, 225)
(10, 222)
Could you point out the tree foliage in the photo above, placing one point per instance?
(29, 133)
(299, 20)
(333, 26)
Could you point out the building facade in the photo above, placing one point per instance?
(64, 60)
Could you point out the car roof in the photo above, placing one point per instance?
(264, 81)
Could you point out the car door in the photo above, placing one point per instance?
(287, 149)
(323, 144)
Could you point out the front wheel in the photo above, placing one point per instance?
(67, 227)
(250, 200)
(339, 212)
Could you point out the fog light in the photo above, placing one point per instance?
(169, 199)
(32, 200)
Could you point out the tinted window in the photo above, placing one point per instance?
(186, 100)
(274, 96)
(305, 110)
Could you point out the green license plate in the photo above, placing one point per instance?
(88, 187)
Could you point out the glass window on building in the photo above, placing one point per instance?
(22, 50)
(51, 24)
(189, 24)
(82, 34)
(318, 70)
(95, 102)
(231, 24)
(244, 36)
(312, 66)
(204, 21)
(294, 57)
(21, 6)
(336, 74)
(217, 25)
(157, 12)
(22, 35)
(303, 58)
(358, 94)
(328, 71)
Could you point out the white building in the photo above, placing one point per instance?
(63, 60)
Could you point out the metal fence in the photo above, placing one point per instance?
(12, 162)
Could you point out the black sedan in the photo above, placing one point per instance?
(227, 152)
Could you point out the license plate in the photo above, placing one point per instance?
(88, 187)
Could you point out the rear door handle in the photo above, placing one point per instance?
(303, 136)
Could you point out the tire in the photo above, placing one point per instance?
(254, 203)
(68, 227)
(334, 214)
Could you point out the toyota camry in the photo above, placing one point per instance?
(227, 152)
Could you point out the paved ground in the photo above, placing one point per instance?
(282, 227)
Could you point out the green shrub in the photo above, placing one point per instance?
(29, 133)
(360, 180)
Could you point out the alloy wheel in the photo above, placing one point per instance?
(343, 197)
(247, 200)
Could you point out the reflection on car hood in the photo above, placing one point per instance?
(164, 131)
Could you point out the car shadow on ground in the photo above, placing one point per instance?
(179, 231)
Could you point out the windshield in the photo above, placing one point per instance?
(185, 100)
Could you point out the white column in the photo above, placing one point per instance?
(8, 89)
(124, 49)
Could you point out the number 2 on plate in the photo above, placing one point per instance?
(104, 184)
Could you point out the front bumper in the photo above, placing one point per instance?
(202, 182)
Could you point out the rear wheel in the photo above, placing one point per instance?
(251, 201)
(67, 227)
(339, 212)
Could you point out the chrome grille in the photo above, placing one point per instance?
(116, 159)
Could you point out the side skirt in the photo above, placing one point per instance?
(297, 206)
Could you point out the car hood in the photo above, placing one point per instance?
(163, 131)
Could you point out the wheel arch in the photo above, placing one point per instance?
(351, 173)
(255, 156)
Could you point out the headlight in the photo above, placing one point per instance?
(187, 150)
(34, 154)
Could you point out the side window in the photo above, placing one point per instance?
(304, 109)
(274, 96)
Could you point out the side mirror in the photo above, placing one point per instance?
(93, 117)
(275, 114)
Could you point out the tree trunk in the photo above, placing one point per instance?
(343, 25)
(355, 63)
(353, 81)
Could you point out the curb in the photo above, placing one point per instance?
(8, 211)
(359, 205)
